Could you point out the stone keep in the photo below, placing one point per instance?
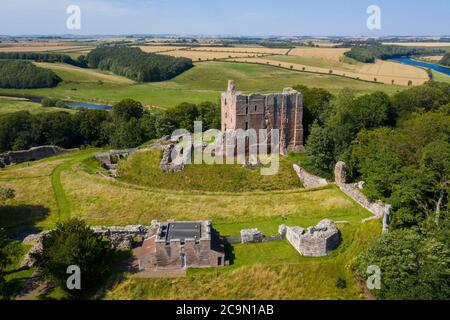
(283, 111)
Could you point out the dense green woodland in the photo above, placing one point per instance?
(137, 65)
(19, 74)
(369, 53)
(128, 125)
(400, 147)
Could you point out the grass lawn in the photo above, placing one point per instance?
(204, 82)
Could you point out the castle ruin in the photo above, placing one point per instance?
(282, 111)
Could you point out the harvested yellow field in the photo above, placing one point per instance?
(432, 58)
(332, 54)
(419, 44)
(250, 50)
(156, 49)
(196, 55)
(382, 71)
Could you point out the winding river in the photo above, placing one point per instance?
(422, 64)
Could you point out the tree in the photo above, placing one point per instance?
(413, 264)
(126, 109)
(427, 97)
(5, 194)
(435, 162)
(73, 243)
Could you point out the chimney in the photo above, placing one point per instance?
(231, 86)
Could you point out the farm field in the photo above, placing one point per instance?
(252, 50)
(419, 44)
(199, 55)
(66, 186)
(159, 48)
(204, 82)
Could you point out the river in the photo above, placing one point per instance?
(422, 64)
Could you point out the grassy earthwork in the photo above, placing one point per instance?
(69, 186)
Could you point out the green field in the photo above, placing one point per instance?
(10, 105)
(318, 62)
(204, 82)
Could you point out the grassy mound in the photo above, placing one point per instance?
(143, 168)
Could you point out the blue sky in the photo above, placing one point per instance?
(227, 17)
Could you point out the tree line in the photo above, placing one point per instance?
(19, 74)
(45, 57)
(369, 53)
(128, 125)
(137, 65)
(445, 61)
(400, 147)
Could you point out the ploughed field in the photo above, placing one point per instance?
(69, 186)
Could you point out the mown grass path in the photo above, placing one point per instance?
(63, 203)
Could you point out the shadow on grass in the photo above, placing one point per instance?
(20, 220)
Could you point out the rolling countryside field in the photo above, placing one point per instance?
(204, 82)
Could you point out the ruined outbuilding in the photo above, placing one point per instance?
(315, 241)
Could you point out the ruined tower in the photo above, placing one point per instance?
(283, 111)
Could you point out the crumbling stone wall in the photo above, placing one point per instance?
(315, 241)
(309, 180)
(353, 190)
(251, 236)
(283, 111)
(171, 161)
(110, 160)
(33, 154)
